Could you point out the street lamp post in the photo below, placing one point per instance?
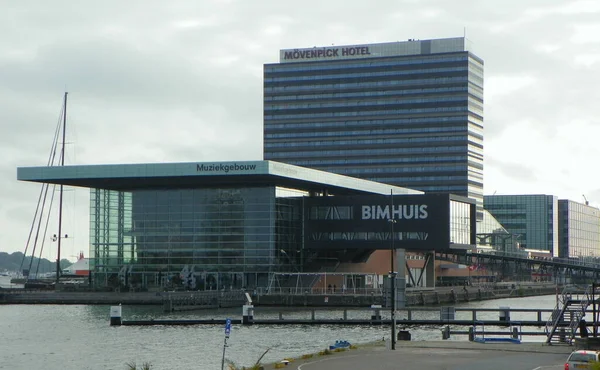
(393, 286)
(392, 221)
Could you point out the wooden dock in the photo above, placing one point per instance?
(372, 317)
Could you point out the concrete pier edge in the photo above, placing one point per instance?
(526, 347)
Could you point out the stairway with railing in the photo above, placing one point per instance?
(570, 309)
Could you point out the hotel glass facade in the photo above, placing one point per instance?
(407, 113)
(231, 237)
(532, 219)
(579, 230)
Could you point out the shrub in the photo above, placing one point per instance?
(325, 352)
(257, 366)
(594, 365)
(133, 366)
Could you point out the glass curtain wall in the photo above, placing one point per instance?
(201, 239)
(533, 218)
(579, 231)
(460, 222)
(111, 244)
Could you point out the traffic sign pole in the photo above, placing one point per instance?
(227, 332)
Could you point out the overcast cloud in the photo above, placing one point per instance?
(158, 81)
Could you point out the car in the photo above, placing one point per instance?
(582, 359)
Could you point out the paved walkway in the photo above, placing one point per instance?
(441, 355)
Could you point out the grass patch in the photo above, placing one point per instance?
(257, 366)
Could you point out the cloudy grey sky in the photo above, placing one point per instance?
(156, 81)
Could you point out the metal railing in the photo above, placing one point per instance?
(522, 255)
(564, 301)
(318, 291)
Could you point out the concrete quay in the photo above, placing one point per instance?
(438, 355)
(199, 300)
(211, 299)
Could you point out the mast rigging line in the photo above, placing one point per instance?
(43, 190)
(45, 230)
(60, 206)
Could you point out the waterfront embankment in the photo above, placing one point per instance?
(216, 299)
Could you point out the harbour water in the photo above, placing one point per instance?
(79, 336)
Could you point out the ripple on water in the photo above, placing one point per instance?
(79, 337)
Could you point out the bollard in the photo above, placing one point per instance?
(504, 314)
(115, 315)
(376, 314)
(471, 334)
(446, 332)
(515, 333)
(247, 314)
(404, 335)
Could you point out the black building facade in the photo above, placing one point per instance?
(429, 222)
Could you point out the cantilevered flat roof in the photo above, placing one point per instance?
(203, 174)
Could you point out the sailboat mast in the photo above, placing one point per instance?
(60, 201)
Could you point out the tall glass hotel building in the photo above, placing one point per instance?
(403, 113)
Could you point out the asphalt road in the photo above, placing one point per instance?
(435, 359)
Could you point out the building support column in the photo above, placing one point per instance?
(428, 270)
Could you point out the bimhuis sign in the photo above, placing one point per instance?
(396, 212)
